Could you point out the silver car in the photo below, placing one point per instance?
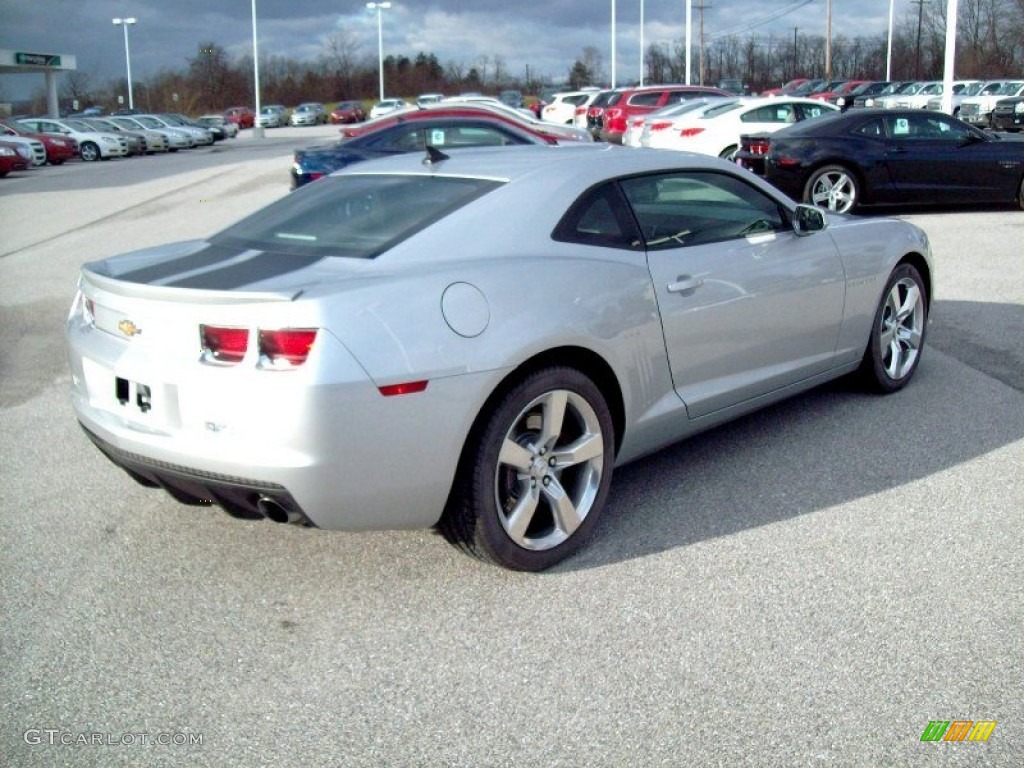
(474, 342)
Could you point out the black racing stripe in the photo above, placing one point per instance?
(205, 257)
(254, 270)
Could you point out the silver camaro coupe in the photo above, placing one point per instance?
(473, 342)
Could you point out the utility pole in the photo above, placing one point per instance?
(828, 40)
(917, 55)
(701, 56)
(794, 73)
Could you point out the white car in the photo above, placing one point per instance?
(977, 110)
(562, 108)
(638, 129)
(716, 131)
(961, 90)
(229, 128)
(387, 106)
(92, 145)
(916, 100)
(175, 139)
(202, 136)
(271, 116)
(152, 141)
(309, 113)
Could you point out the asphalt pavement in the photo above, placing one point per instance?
(811, 585)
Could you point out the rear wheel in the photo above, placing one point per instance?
(1020, 193)
(535, 475)
(90, 152)
(897, 336)
(833, 187)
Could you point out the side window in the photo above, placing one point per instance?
(645, 99)
(808, 111)
(403, 138)
(696, 207)
(872, 128)
(780, 113)
(599, 217)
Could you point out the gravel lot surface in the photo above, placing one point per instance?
(810, 585)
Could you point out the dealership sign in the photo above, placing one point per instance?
(37, 59)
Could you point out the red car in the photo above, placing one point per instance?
(788, 88)
(58, 148)
(640, 101)
(12, 159)
(431, 112)
(348, 112)
(243, 117)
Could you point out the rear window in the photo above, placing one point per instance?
(353, 216)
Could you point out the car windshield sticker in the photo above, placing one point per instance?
(437, 137)
(902, 127)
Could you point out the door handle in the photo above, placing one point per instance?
(685, 283)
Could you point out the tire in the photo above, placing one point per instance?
(729, 153)
(90, 152)
(1020, 193)
(897, 334)
(833, 187)
(504, 507)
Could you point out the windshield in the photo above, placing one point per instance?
(1009, 89)
(151, 122)
(79, 125)
(357, 216)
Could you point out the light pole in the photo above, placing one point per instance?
(380, 7)
(641, 42)
(257, 129)
(127, 56)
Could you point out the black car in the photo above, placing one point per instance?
(868, 97)
(894, 156)
(444, 133)
(864, 91)
(1008, 114)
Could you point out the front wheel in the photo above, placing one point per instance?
(897, 336)
(833, 187)
(1020, 193)
(729, 153)
(90, 152)
(535, 474)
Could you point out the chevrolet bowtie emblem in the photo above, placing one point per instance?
(128, 328)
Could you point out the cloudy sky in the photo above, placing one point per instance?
(546, 35)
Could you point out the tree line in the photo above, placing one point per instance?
(990, 44)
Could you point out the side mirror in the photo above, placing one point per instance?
(807, 220)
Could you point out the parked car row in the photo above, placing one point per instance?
(53, 141)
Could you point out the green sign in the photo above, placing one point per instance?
(37, 59)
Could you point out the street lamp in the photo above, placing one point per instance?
(379, 7)
(127, 56)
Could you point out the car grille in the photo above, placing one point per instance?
(967, 110)
(38, 153)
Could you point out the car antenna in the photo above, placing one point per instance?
(434, 155)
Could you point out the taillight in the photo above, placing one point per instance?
(758, 148)
(581, 110)
(287, 347)
(222, 345)
(688, 133)
(787, 162)
(660, 125)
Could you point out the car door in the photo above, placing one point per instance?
(933, 158)
(747, 306)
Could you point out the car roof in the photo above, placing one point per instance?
(580, 165)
